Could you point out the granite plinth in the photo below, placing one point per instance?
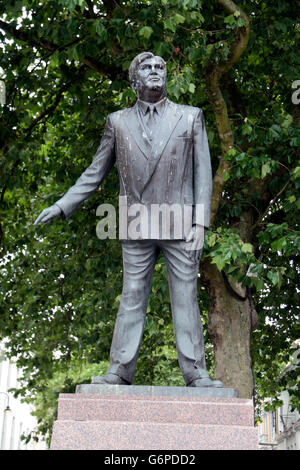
(150, 390)
(114, 417)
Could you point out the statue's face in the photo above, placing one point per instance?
(151, 75)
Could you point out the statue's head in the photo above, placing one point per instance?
(148, 75)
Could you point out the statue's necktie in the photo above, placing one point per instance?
(151, 121)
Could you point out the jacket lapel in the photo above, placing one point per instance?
(169, 121)
(137, 131)
(153, 152)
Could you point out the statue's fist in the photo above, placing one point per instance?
(195, 242)
(47, 215)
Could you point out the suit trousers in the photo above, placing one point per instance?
(139, 259)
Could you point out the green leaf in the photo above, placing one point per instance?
(230, 21)
(241, 22)
(170, 24)
(287, 122)
(219, 261)
(146, 32)
(231, 153)
(235, 253)
(265, 169)
(278, 245)
(281, 27)
(247, 129)
(178, 18)
(296, 172)
(274, 277)
(226, 175)
(275, 132)
(72, 53)
(196, 15)
(247, 248)
(99, 28)
(211, 240)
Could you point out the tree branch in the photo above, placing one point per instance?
(242, 35)
(215, 96)
(24, 36)
(42, 115)
(55, 103)
(273, 200)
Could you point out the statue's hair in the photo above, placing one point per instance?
(136, 62)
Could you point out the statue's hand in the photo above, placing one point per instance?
(195, 240)
(47, 215)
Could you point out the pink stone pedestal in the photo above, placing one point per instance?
(114, 417)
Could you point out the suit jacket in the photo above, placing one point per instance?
(174, 168)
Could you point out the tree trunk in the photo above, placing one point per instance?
(230, 320)
(230, 323)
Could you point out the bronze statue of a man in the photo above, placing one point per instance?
(162, 155)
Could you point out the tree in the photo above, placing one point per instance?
(65, 65)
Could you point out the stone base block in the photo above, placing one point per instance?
(116, 417)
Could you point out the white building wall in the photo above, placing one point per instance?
(289, 434)
(19, 421)
(280, 429)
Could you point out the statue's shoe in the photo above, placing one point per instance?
(206, 382)
(110, 379)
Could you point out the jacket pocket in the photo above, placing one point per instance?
(184, 137)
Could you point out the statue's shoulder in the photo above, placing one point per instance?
(185, 108)
(116, 116)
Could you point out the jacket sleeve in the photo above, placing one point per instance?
(93, 176)
(202, 174)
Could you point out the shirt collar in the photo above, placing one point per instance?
(159, 106)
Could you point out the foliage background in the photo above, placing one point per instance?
(64, 64)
